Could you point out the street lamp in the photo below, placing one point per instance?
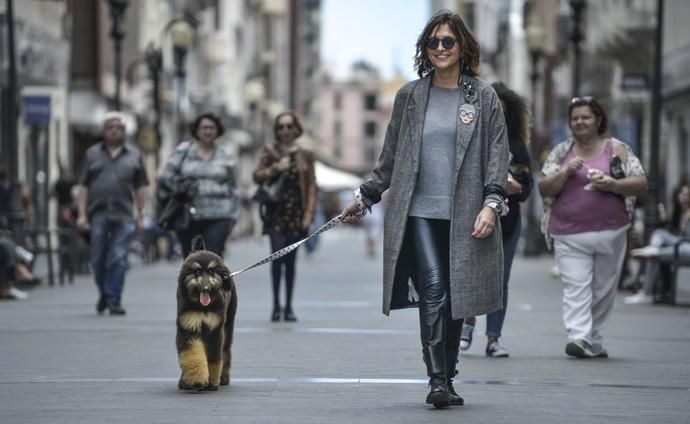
(576, 37)
(117, 16)
(154, 62)
(535, 36)
(182, 37)
(14, 209)
(651, 211)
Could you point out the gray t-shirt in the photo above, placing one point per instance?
(112, 182)
(433, 194)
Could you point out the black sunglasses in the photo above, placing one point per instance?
(583, 99)
(446, 42)
(284, 126)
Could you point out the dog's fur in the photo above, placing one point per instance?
(204, 333)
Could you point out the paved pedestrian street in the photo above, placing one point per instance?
(342, 362)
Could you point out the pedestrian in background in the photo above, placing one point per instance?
(661, 248)
(445, 164)
(290, 220)
(8, 264)
(111, 204)
(518, 187)
(206, 170)
(589, 183)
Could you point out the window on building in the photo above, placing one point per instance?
(338, 148)
(370, 101)
(370, 129)
(337, 101)
(337, 129)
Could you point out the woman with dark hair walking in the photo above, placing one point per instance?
(445, 164)
(518, 188)
(205, 171)
(289, 221)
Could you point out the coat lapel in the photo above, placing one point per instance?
(416, 110)
(467, 117)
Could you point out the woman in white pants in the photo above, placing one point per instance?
(588, 184)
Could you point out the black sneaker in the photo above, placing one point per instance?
(117, 310)
(599, 351)
(579, 349)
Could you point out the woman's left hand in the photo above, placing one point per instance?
(485, 223)
(306, 222)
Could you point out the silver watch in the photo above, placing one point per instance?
(496, 207)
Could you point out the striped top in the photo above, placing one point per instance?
(216, 197)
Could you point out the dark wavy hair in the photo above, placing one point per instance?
(469, 47)
(515, 112)
(295, 121)
(194, 127)
(596, 109)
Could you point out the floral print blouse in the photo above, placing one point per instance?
(632, 167)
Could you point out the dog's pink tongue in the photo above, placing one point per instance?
(204, 299)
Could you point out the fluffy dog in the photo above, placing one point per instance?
(206, 308)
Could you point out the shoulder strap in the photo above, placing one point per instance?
(184, 156)
(619, 149)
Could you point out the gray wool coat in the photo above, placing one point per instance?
(476, 265)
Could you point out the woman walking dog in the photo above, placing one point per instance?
(445, 164)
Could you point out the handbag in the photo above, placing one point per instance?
(269, 195)
(172, 211)
(616, 168)
(271, 191)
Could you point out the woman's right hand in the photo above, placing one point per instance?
(350, 213)
(82, 222)
(576, 163)
(283, 164)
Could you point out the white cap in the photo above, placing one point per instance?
(109, 116)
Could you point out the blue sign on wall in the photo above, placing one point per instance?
(36, 110)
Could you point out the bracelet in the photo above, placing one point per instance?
(361, 203)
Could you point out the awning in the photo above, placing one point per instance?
(88, 108)
(332, 179)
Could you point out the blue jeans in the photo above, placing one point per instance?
(109, 244)
(666, 242)
(494, 320)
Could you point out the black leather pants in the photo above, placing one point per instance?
(440, 334)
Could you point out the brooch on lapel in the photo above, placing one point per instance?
(467, 113)
(469, 91)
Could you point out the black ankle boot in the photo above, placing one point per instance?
(454, 397)
(438, 391)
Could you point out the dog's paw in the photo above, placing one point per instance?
(196, 385)
(211, 387)
(224, 380)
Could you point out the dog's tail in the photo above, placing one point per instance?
(198, 243)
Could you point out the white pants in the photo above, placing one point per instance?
(590, 265)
